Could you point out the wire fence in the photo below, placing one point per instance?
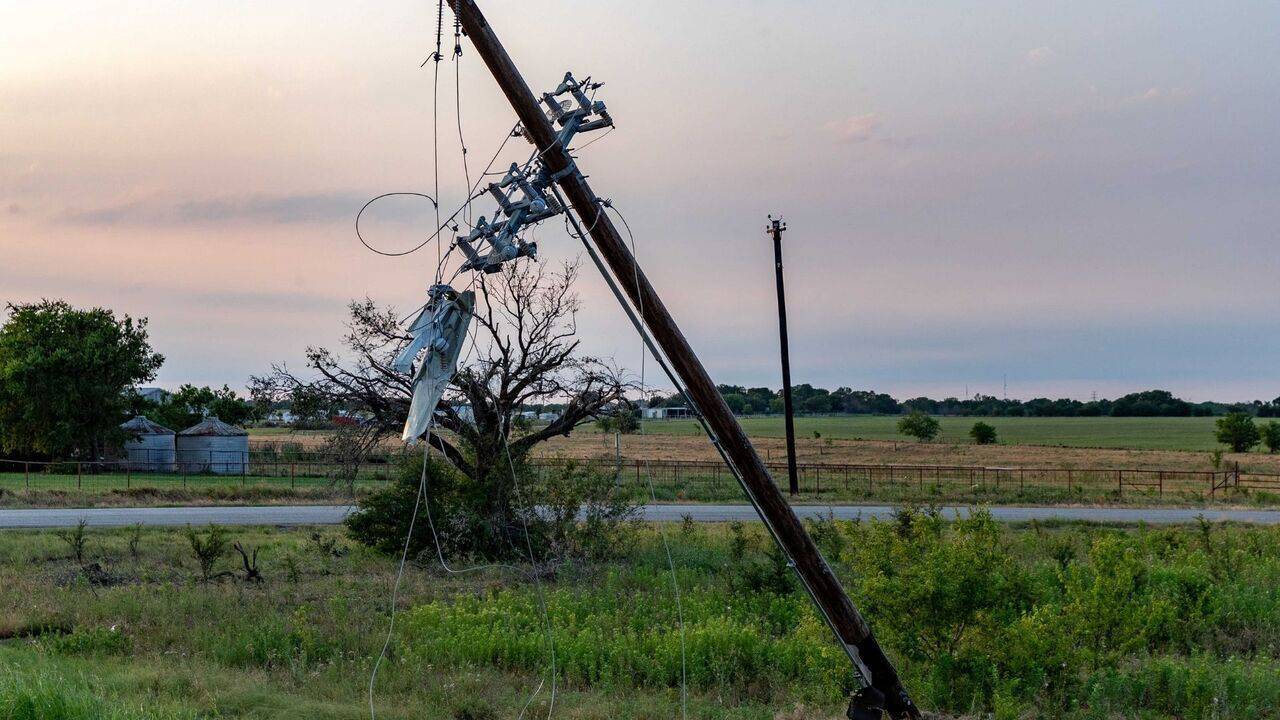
(673, 480)
(713, 480)
(193, 470)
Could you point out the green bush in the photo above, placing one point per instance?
(580, 514)
(96, 640)
(982, 433)
(1271, 436)
(919, 426)
(1238, 432)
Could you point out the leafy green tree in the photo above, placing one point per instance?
(64, 377)
(1238, 432)
(190, 404)
(1271, 436)
(919, 426)
(982, 433)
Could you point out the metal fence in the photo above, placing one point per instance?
(219, 467)
(701, 478)
(665, 479)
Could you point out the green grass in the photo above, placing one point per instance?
(1034, 621)
(1101, 432)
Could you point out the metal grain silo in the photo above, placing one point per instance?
(149, 446)
(215, 447)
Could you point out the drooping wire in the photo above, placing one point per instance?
(395, 587)
(457, 94)
(537, 579)
(472, 196)
(435, 120)
(653, 496)
(647, 341)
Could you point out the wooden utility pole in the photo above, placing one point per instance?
(793, 481)
(884, 688)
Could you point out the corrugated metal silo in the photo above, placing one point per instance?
(150, 446)
(215, 447)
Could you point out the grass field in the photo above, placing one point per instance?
(1062, 621)
(1099, 432)
(1194, 433)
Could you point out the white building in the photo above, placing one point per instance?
(666, 413)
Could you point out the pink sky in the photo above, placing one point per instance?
(1079, 198)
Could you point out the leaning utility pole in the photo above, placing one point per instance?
(883, 689)
(775, 229)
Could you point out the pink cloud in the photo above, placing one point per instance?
(855, 128)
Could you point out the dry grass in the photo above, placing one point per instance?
(883, 452)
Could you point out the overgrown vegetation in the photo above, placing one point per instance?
(564, 512)
(1047, 621)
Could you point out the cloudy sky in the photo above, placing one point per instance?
(1079, 197)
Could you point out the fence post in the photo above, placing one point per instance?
(920, 478)
(1237, 473)
(1160, 478)
(77, 475)
(292, 470)
(1120, 483)
(244, 467)
(128, 476)
(1022, 479)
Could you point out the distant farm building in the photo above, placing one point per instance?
(213, 446)
(149, 446)
(153, 394)
(666, 413)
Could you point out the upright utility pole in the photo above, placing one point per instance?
(884, 689)
(776, 227)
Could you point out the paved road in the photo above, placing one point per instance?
(332, 514)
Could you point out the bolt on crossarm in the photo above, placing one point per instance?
(883, 688)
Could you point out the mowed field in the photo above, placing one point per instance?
(1085, 432)
(1103, 442)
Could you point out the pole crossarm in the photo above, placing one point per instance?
(852, 631)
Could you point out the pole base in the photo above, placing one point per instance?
(866, 704)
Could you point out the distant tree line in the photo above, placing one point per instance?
(810, 400)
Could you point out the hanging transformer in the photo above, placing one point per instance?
(441, 329)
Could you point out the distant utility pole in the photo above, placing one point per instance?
(776, 228)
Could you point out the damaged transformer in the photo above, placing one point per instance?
(440, 329)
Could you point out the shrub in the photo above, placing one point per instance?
(919, 426)
(1238, 432)
(580, 513)
(1271, 436)
(982, 433)
(91, 641)
(207, 548)
(75, 539)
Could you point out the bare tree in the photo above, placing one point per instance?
(523, 353)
